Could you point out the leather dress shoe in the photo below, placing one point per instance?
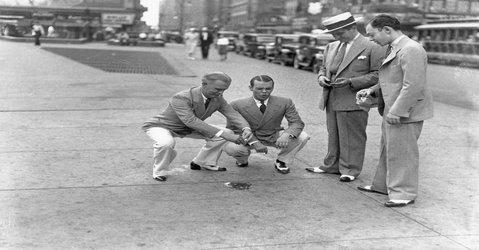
(368, 189)
(160, 178)
(398, 204)
(214, 168)
(346, 178)
(241, 165)
(315, 170)
(281, 167)
(194, 166)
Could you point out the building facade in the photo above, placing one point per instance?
(72, 18)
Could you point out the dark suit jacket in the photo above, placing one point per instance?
(361, 64)
(402, 86)
(266, 126)
(206, 42)
(186, 113)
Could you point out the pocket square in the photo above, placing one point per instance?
(361, 57)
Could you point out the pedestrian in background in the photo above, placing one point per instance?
(184, 117)
(222, 44)
(191, 42)
(206, 39)
(37, 32)
(405, 101)
(350, 64)
(265, 114)
(51, 31)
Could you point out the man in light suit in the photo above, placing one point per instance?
(350, 64)
(184, 117)
(264, 114)
(405, 101)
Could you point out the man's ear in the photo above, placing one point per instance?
(387, 30)
(250, 87)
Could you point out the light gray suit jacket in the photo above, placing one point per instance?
(186, 113)
(266, 126)
(360, 64)
(402, 87)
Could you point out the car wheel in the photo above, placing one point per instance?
(296, 63)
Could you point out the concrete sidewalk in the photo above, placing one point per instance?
(75, 168)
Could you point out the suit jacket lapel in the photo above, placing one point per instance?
(270, 111)
(357, 47)
(198, 102)
(395, 50)
(332, 52)
(253, 110)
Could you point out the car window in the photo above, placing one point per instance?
(290, 39)
(263, 39)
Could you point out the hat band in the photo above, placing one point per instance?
(341, 24)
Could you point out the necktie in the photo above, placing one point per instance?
(388, 51)
(207, 102)
(338, 58)
(262, 107)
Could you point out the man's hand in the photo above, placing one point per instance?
(283, 141)
(247, 134)
(324, 81)
(392, 119)
(341, 82)
(363, 93)
(230, 136)
(260, 148)
(363, 96)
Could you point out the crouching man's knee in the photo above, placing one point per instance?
(236, 150)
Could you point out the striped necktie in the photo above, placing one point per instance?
(207, 102)
(338, 58)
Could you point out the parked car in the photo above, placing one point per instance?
(283, 49)
(232, 36)
(309, 54)
(254, 44)
(172, 36)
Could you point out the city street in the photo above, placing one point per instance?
(75, 167)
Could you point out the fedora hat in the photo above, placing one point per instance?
(339, 21)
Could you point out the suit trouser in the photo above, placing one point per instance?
(398, 167)
(164, 149)
(204, 51)
(241, 153)
(346, 141)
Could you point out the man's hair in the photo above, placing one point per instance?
(214, 76)
(380, 21)
(260, 78)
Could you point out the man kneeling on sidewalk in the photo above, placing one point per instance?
(264, 114)
(184, 117)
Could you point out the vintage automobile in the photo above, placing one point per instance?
(232, 36)
(283, 49)
(309, 54)
(134, 38)
(253, 44)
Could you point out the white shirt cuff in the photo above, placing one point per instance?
(219, 133)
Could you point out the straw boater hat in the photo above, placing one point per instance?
(339, 21)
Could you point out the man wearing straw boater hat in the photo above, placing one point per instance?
(350, 64)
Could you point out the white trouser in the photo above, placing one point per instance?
(164, 149)
(241, 153)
